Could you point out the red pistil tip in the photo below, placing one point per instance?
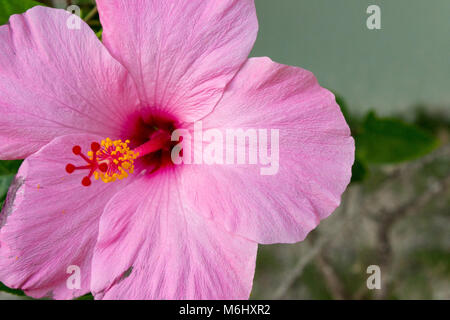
(95, 146)
(70, 168)
(103, 167)
(76, 150)
(86, 181)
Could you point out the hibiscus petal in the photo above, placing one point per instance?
(316, 153)
(56, 81)
(151, 246)
(180, 53)
(50, 222)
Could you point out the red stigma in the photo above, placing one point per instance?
(92, 164)
(70, 168)
(103, 167)
(76, 150)
(86, 181)
(95, 146)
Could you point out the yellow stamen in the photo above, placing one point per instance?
(118, 156)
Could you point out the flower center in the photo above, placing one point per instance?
(114, 160)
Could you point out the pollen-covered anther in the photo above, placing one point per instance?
(108, 161)
(118, 158)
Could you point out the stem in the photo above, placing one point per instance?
(91, 14)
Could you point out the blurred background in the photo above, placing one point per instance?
(393, 85)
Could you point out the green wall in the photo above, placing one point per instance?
(405, 63)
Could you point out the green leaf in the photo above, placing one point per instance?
(8, 8)
(12, 291)
(9, 166)
(8, 170)
(5, 182)
(99, 34)
(343, 105)
(352, 121)
(359, 171)
(388, 140)
(88, 296)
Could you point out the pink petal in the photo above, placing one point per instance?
(316, 156)
(151, 246)
(50, 222)
(56, 81)
(180, 53)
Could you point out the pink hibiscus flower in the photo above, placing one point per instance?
(167, 231)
